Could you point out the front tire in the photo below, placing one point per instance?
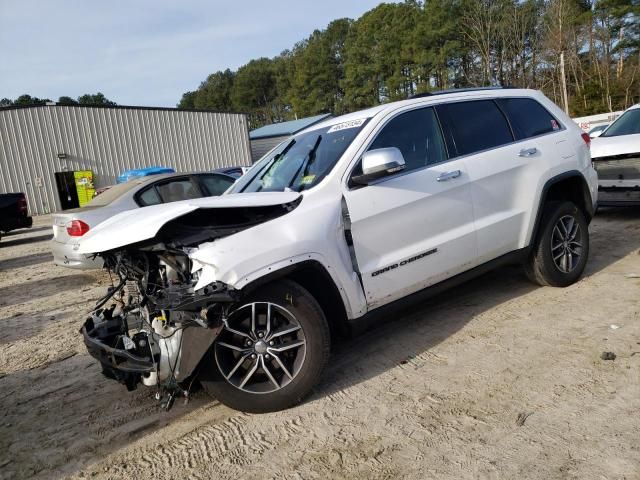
(271, 351)
(561, 250)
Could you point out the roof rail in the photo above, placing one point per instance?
(456, 90)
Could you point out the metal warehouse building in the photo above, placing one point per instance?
(265, 138)
(40, 145)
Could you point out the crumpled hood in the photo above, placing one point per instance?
(141, 224)
(619, 145)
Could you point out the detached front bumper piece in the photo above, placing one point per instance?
(106, 343)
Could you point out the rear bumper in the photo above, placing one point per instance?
(592, 181)
(65, 256)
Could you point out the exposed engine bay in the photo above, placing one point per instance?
(153, 312)
(155, 324)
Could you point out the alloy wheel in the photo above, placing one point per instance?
(261, 348)
(566, 243)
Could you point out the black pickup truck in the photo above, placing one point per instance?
(14, 212)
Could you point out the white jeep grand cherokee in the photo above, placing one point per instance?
(329, 230)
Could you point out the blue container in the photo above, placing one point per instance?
(143, 172)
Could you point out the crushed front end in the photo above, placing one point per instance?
(160, 318)
(153, 327)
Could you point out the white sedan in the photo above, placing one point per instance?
(70, 225)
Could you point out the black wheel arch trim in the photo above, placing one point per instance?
(327, 293)
(588, 201)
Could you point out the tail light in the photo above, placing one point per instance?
(587, 139)
(77, 228)
(22, 205)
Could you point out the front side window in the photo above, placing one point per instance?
(177, 190)
(417, 135)
(302, 162)
(528, 118)
(475, 125)
(627, 124)
(215, 184)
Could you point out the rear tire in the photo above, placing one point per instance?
(271, 352)
(561, 249)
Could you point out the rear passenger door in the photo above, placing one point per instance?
(503, 159)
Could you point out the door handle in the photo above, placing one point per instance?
(528, 152)
(448, 176)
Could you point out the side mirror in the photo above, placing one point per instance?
(379, 163)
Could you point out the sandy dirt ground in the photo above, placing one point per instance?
(497, 379)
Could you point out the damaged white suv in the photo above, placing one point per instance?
(329, 230)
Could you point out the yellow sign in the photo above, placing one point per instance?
(84, 186)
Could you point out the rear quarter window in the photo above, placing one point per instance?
(527, 117)
(474, 126)
(149, 197)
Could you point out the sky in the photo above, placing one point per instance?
(146, 52)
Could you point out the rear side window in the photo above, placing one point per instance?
(417, 135)
(527, 117)
(474, 126)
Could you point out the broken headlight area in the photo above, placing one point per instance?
(153, 327)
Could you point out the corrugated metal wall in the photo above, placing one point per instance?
(108, 141)
(260, 146)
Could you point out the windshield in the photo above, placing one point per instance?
(301, 162)
(627, 124)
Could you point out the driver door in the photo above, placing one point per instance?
(414, 228)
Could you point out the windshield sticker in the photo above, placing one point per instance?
(307, 179)
(344, 125)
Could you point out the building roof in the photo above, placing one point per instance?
(115, 107)
(285, 129)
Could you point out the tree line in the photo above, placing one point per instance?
(396, 50)
(86, 99)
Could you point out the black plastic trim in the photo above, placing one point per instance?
(456, 90)
(543, 198)
(110, 356)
